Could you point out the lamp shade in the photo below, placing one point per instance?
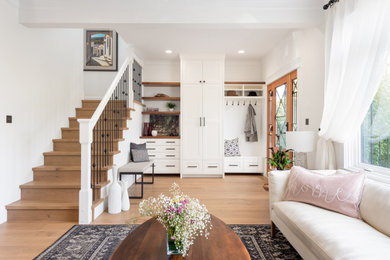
(301, 141)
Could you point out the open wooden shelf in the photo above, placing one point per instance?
(161, 113)
(162, 98)
(160, 137)
(161, 84)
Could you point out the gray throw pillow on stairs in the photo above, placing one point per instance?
(140, 155)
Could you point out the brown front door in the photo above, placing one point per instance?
(282, 111)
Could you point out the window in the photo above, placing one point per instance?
(375, 129)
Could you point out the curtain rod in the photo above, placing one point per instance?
(330, 4)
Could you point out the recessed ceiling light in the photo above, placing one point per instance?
(168, 51)
(241, 52)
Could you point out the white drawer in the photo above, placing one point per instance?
(161, 166)
(212, 167)
(252, 166)
(163, 149)
(233, 166)
(154, 142)
(168, 155)
(192, 166)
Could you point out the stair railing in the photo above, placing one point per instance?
(97, 137)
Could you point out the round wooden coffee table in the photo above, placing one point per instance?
(149, 242)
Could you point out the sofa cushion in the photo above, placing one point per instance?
(331, 235)
(338, 192)
(375, 205)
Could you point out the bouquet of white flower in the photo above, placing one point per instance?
(183, 217)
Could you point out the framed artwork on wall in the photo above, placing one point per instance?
(100, 50)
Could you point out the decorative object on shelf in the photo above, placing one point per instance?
(152, 109)
(232, 148)
(183, 217)
(125, 196)
(101, 50)
(231, 93)
(161, 95)
(301, 142)
(150, 129)
(114, 194)
(252, 94)
(154, 132)
(146, 129)
(171, 106)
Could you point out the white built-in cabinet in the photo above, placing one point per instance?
(202, 82)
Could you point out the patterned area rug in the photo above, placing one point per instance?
(100, 241)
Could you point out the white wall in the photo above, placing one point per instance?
(161, 71)
(303, 50)
(41, 84)
(96, 83)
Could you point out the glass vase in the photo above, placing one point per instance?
(172, 249)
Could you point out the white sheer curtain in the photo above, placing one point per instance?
(356, 50)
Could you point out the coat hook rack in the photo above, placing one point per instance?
(238, 103)
(244, 103)
(232, 103)
(255, 103)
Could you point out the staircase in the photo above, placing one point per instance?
(53, 195)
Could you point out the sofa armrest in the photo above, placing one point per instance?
(277, 181)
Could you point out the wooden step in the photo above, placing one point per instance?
(88, 112)
(50, 191)
(67, 145)
(62, 158)
(87, 103)
(31, 211)
(57, 173)
(73, 123)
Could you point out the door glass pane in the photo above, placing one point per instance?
(295, 104)
(281, 116)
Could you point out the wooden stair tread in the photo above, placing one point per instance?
(60, 153)
(57, 168)
(32, 204)
(50, 185)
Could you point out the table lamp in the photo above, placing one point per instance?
(301, 142)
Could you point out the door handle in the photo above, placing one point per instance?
(212, 166)
(204, 121)
(200, 121)
(192, 166)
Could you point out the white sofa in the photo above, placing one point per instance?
(317, 233)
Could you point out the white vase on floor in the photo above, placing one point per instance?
(114, 194)
(125, 197)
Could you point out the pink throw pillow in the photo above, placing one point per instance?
(338, 192)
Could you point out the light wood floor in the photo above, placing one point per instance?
(237, 199)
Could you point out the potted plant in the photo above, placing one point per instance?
(171, 106)
(280, 161)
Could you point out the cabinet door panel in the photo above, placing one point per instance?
(191, 112)
(192, 72)
(212, 129)
(212, 72)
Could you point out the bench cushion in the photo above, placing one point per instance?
(135, 167)
(331, 235)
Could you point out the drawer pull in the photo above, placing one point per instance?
(170, 165)
(150, 142)
(170, 149)
(151, 149)
(192, 166)
(235, 165)
(253, 165)
(170, 155)
(151, 155)
(212, 166)
(170, 142)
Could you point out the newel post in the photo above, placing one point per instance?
(85, 195)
